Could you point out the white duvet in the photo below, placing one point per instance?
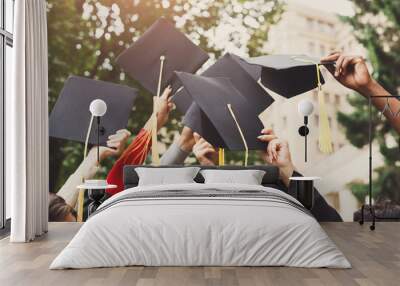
(202, 231)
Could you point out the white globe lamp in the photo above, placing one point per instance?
(305, 109)
(98, 107)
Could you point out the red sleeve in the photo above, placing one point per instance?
(135, 154)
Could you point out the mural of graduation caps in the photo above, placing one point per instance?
(291, 75)
(243, 76)
(70, 116)
(221, 114)
(153, 59)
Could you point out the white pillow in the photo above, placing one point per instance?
(247, 177)
(163, 176)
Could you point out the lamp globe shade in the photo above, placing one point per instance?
(305, 107)
(98, 107)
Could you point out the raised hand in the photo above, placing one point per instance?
(115, 145)
(165, 105)
(205, 153)
(351, 71)
(277, 154)
(186, 140)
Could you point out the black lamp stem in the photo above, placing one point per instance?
(370, 152)
(98, 140)
(305, 138)
(305, 148)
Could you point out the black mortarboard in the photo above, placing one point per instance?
(253, 70)
(142, 59)
(197, 120)
(243, 76)
(212, 118)
(70, 116)
(288, 75)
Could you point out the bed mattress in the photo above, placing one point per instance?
(201, 225)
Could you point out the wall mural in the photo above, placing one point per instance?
(215, 83)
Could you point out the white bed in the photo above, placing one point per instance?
(246, 225)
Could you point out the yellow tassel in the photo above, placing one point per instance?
(81, 196)
(325, 138)
(221, 156)
(246, 157)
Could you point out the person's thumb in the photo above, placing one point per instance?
(196, 137)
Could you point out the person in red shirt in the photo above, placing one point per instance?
(136, 152)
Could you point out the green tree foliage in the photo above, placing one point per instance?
(377, 25)
(85, 37)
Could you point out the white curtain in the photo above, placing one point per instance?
(27, 124)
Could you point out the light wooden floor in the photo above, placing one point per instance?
(375, 257)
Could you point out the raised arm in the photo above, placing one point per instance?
(177, 152)
(88, 167)
(137, 151)
(278, 154)
(164, 107)
(205, 153)
(352, 72)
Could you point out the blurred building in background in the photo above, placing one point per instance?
(306, 30)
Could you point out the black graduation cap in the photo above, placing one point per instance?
(288, 75)
(253, 70)
(70, 116)
(197, 120)
(210, 116)
(142, 59)
(243, 76)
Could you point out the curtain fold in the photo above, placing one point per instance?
(27, 124)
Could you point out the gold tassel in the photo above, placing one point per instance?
(81, 197)
(221, 156)
(241, 135)
(325, 138)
